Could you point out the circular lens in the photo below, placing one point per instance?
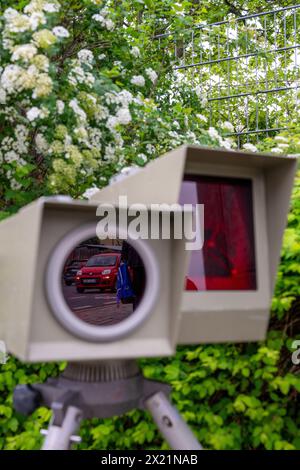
(101, 290)
(103, 282)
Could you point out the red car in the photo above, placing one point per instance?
(100, 272)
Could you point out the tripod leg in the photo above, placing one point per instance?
(170, 423)
(60, 437)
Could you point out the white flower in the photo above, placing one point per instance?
(60, 32)
(101, 56)
(98, 18)
(104, 11)
(43, 86)
(135, 52)
(10, 77)
(41, 143)
(124, 116)
(51, 7)
(280, 138)
(81, 133)
(150, 148)
(283, 146)
(16, 22)
(110, 151)
(143, 157)
(109, 24)
(227, 126)
(213, 133)
(250, 147)
(90, 192)
(124, 98)
(173, 134)
(10, 13)
(201, 117)
(204, 101)
(44, 112)
(14, 184)
(79, 75)
(11, 156)
(60, 106)
(105, 22)
(232, 33)
(205, 45)
(41, 62)
(198, 91)
(112, 122)
(276, 150)
(102, 113)
(78, 110)
(24, 52)
(40, 5)
(226, 143)
(33, 113)
(85, 55)
(138, 80)
(152, 75)
(191, 136)
(95, 136)
(7, 44)
(36, 19)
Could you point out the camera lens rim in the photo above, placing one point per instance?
(66, 317)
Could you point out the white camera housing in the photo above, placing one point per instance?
(35, 321)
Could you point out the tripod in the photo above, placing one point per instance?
(102, 390)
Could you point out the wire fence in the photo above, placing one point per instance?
(245, 69)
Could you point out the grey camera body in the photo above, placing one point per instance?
(35, 321)
(33, 244)
(220, 316)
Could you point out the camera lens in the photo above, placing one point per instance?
(103, 282)
(101, 290)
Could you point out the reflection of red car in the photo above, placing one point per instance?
(100, 272)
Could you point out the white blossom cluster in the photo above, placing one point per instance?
(29, 65)
(82, 69)
(24, 80)
(85, 133)
(151, 74)
(138, 80)
(135, 51)
(103, 20)
(66, 109)
(226, 142)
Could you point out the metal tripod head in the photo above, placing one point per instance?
(101, 390)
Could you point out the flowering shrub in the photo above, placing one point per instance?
(75, 108)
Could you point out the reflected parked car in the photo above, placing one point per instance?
(71, 270)
(100, 272)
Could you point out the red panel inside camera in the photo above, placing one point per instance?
(227, 259)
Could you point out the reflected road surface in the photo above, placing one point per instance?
(97, 308)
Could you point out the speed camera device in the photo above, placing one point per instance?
(70, 293)
(230, 281)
